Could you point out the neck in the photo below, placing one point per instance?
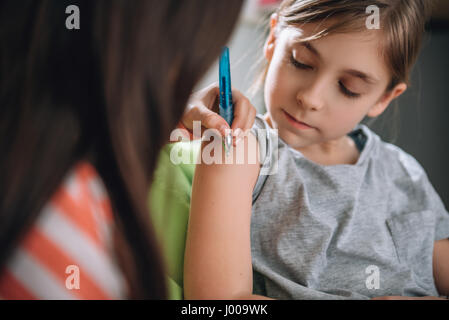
(340, 151)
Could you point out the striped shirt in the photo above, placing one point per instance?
(68, 253)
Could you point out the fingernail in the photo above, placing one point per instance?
(237, 132)
(222, 130)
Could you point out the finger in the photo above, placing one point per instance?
(241, 110)
(212, 120)
(212, 97)
(251, 118)
(252, 112)
(244, 116)
(207, 97)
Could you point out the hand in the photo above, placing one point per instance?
(407, 298)
(203, 106)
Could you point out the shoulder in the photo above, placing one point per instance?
(73, 236)
(391, 158)
(401, 162)
(260, 125)
(407, 176)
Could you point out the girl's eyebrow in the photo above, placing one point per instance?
(359, 74)
(311, 48)
(355, 73)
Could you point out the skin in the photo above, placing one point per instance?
(217, 261)
(314, 96)
(203, 104)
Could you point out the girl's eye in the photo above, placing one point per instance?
(348, 93)
(345, 91)
(299, 65)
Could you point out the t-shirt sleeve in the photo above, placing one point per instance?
(264, 138)
(441, 214)
(427, 195)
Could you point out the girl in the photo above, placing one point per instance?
(83, 116)
(339, 213)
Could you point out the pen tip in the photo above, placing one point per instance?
(228, 143)
(229, 140)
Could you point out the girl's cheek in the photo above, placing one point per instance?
(284, 80)
(344, 119)
(275, 83)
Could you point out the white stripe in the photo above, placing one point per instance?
(36, 278)
(72, 185)
(104, 228)
(83, 250)
(97, 188)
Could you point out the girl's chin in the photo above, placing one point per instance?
(291, 138)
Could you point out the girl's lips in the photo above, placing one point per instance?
(296, 123)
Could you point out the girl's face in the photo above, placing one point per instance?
(330, 84)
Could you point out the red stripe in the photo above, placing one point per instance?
(106, 210)
(52, 257)
(56, 261)
(87, 175)
(12, 289)
(78, 212)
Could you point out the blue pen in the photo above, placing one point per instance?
(226, 107)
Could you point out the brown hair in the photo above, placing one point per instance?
(402, 23)
(110, 93)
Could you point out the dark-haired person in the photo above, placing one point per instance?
(83, 116)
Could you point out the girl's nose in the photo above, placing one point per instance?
(311, 96)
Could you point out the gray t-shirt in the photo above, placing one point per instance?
(343, 231)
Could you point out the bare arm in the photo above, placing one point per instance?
(217, 261)
(441, 266)
(440, 273)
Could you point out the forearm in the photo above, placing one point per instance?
(441, 266)
(217, 261)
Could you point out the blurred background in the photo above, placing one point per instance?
(418, 122)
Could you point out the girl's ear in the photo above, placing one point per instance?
(385, 100)
(271, 40)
